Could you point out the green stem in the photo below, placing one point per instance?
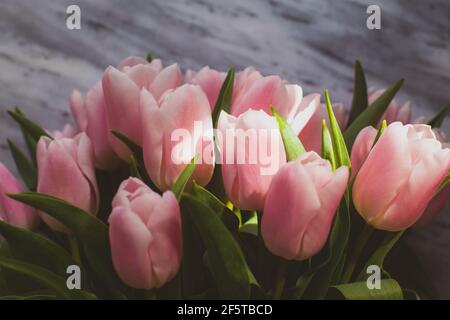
(356, 253)
(280, 280)
(75, 249)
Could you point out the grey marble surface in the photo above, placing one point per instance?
(310, 42)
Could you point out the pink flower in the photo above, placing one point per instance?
(361, 147)
(300, 206)
(89, 113)
(145, 235)
(66, 171)
(252, 153)
(175, 129)
(67, 132)
(12, 211)
(311, 134)
(399, 177)
(252, 90)
(209, 80)
(122, 92)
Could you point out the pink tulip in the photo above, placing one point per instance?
(67, 132)
(254, 91)
(361, 147)
(175, 129)
(12, 211)
(311, 134)
(66, 171)
(90, 115)
(145, 235)
(122, 92)
(439, 201)
(394, 112)
(300, 206)
(399, 177)
(209, 80)
(249, 166)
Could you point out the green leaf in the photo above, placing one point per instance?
(380, 132)
(227, 261)
(92, 232)
(339, 147)
(47, 278)
(33, 129)
(134, 147)
(34, 248)
(437, 120)
(184, 177)
(26, 168)
(327, 146)
(390, 290)
(292, 144)
(225, 95)
(371, 114)
(360, 101)
(208, 198)
(443, 183)
(380, 253)
(134, 168)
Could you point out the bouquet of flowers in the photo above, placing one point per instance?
(214, 185)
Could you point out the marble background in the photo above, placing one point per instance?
(313, 43)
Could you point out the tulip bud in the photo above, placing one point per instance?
(66, 171)
(12, 211)
(399, 177)
(176, 129)
(122, 91)
(145, 235)
(300, 206)
(252, 152)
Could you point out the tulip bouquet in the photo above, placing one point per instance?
(214, 185)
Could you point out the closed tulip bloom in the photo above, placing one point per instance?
(66, 171)
(252, 153)
(145, 235)
(67, 132)
(209, 80)
(175, 129)
(361, 147)
(300, 206)
(400, 176)
(12, 211)
(89, 113)
(122, 92)
(257, 92)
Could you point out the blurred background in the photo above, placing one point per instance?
(309, 42)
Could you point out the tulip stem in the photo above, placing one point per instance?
(280, 280)
(361, 242)
(75, 249)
